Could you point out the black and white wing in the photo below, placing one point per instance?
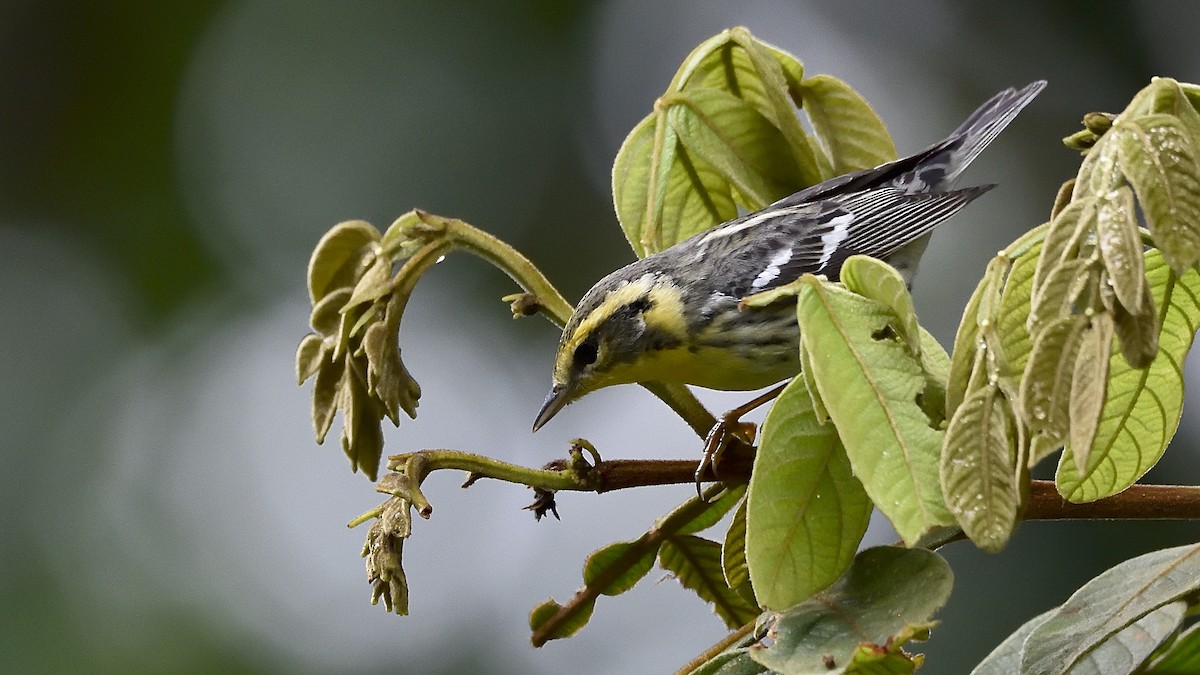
(873, 222)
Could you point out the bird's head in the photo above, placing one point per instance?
(619, 328)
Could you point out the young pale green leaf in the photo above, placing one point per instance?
(1102, 168)
(309, 356)
(327, 396)
(326, 317)
(1143, 406)
(870, 383)
(618, 567)
(1109, 603)
(1063, 198)
(806, 512)
(387, 376)
(977, 473)
(1054, 298)
(884, 592)
(1158, 157)
(1009, 335)
(696, 563)
(375, 282)
(852, 133)
(1005, 659)
(732, 136)
(1138, 333)
(1089, 383)
(337, 260)
(1120, 244)
(1182, 657)
(733, 551)
(362, 435)
(1045, 395)
(550, 608)
(1170, 99)
(966, 340)
(879, 281)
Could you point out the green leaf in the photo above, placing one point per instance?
(806, 512)
(337, 260)
(870, 384)
(696, 563)
(1120, 244)
(764, 76)
(852, 133)
(935, 362)
(1063, 236)
(1158, 157)
(696, 515)
(735, 662)
(617, 567)
(1143, 406)
(698, 198)
(664, 195)
(889, 658)
(733, 551)
(633, 176)
(1109, 603)
(1089, 383)
(884, 592)
(1046, 385)
(1130, 647)
(977, 472)
(1005, 659)
(548, 609)
(1182, 657)
(1121, 653)
(732, 136)
(879, 281)
(810, 384)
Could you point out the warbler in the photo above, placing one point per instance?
(674, 316)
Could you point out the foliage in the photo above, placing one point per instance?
(1074, 338)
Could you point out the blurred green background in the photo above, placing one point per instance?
(165, 169)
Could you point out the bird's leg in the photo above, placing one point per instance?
(728, 426)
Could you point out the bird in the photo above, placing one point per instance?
(675, 316)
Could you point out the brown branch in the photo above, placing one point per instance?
(1139, 502)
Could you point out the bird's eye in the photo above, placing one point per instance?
(585, 354)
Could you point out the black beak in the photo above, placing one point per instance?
(555, 400)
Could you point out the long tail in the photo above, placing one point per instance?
(944, 162)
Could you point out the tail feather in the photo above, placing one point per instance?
(952, 156)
